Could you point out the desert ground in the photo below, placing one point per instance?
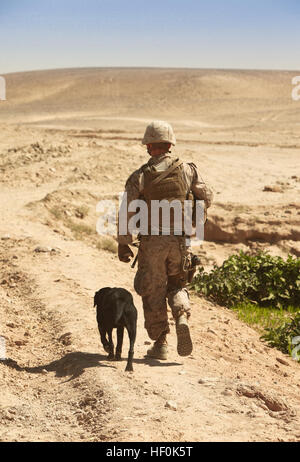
(70, 138)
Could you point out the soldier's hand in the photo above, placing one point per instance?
(124, 253)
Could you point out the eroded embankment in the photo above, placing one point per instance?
(234, 223)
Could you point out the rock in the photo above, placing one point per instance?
(282, 361)
(208, 381)
(40, 249)
(171, 405)
(5, 237)
(66, 339)
(227, 392)
(20, 342)
(211, 331)
(276, 189)
(267, 400)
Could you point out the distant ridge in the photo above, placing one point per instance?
(143, 91)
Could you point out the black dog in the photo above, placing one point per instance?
(115, 308)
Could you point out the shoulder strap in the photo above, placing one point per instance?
(167, 172)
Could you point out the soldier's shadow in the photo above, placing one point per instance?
(155, 362)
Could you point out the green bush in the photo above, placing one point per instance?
(281, 337)
(261, 279)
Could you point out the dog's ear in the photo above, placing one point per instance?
(98, 297)
(95, 299)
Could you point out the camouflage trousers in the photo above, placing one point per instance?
(159, 264)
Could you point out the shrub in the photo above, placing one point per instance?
(261, 279)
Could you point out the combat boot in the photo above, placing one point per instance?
(159, 349)
(184, 341)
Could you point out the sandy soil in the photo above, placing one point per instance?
(71, 138)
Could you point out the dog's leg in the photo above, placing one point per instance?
(132, 336)
(111, 354)
(103, 338)
(120, 333)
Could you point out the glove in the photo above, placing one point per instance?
(124, 253)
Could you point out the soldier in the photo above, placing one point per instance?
(163, 260)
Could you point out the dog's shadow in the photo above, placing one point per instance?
(73, 365)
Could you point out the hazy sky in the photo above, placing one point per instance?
(251, 34)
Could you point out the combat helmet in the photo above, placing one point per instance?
(159, 132)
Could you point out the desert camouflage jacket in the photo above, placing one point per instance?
(135, 185)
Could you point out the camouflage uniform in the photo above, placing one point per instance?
(160, 257)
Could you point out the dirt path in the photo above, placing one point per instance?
(59, 155)
(58, 385)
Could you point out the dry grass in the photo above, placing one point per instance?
(107, 243)
(80, 230)
(56, 212)
(262, 318)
